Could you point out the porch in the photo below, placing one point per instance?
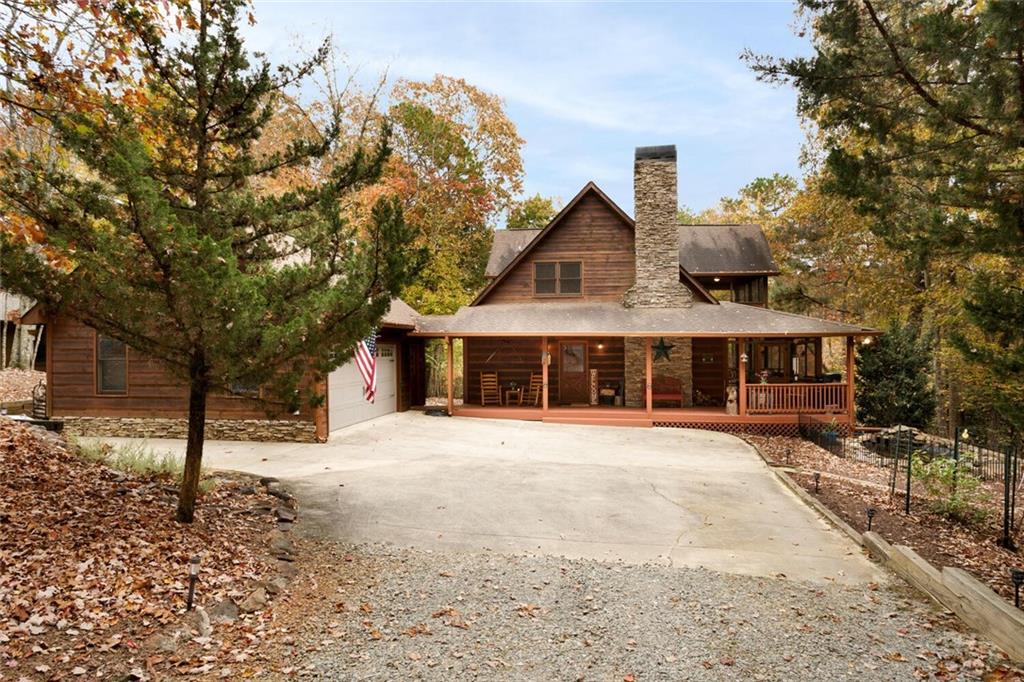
(710, 418)
(721, 383)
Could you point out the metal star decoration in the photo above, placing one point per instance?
(661, 349)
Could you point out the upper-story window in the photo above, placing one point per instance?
(558, 278)
(111, 365)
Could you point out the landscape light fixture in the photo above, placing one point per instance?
(193, 576)
(1017, 576)
(817, 482)
(789, 452)
(871, 515)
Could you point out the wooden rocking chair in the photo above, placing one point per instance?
(534, 392)
(490, 390)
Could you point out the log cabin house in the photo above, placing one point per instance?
(598, 318)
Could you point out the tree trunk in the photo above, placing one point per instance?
(40, 330)
(199, 386)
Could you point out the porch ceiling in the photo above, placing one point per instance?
(592, 318)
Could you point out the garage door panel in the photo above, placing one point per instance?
(346, 404)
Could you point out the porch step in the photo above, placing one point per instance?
(600, 421)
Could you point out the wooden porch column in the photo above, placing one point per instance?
(544, 362)
(741, 347)
(449, 356)
(648, 363)
(850, 369)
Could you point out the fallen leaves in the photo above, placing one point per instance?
(94, 562)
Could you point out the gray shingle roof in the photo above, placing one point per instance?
(507, 245)
(720, 249)
(401, 314)
(612, 319)
(703, 249)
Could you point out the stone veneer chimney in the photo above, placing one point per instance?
(656, 202)
(657, 282)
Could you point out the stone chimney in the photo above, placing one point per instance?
(656, 202)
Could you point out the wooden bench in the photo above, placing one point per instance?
(667, 388)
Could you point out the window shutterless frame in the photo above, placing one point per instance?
(105, 350)
(555, 269)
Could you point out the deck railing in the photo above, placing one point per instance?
(796, 398)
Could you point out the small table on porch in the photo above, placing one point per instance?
(514, 394)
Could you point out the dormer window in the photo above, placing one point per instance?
(558, 278)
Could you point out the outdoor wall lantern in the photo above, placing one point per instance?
(1017, 576)
(871, 516)
(817, 482)
(600, 345)
(193, 576)
(743, 357)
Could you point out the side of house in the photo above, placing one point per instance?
(98, 386)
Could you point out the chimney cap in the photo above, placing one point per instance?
(661, 152)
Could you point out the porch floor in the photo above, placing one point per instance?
(711, 417)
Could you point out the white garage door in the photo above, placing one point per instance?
(345, 402)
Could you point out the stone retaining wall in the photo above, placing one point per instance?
(216, 429)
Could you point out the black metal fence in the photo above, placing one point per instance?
(897, 449)
(825, 433)
(987, 462)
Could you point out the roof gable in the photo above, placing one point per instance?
(506, 244)
(512, 248)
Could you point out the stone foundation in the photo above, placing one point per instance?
(216, 429)
(679, 366)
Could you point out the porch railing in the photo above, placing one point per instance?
(796, 398)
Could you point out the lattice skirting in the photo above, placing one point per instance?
(754, 429)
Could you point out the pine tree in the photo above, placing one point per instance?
(920, 114)
(892, 380)
(163, 234)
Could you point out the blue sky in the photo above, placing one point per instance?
(585, 83)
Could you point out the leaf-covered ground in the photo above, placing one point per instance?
(92, 563)
(17, 384)
(850, 487)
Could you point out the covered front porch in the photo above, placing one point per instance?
(724, 383)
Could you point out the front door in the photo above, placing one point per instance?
(573, 378)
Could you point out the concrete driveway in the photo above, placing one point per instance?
(671, 496)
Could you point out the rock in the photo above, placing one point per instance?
(267, 480)
(262, 507)
(281, 547)
(224, 612)
(161, 642)
(247, 490)
(275, 585)
(281, 494)
(285, 526)
(199, 620)
(256, 601)
(285, 514)
(287, 569)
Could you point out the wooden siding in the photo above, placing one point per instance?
(592, 234)
(515, 358)
(153, 391)
(709, 368)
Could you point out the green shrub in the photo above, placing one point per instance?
(954, 491)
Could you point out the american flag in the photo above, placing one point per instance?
(366, 362)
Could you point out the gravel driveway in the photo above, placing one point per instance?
(432, 616)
